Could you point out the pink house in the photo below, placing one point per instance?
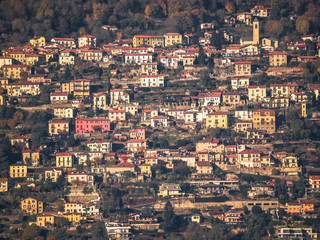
(89, 125)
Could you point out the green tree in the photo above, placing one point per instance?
(31, 232)
(169, 218)
(98, 231)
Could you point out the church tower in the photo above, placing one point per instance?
(256, 32)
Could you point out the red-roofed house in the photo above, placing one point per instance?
(283, 90)
(87, 41)
(217, 120)
(209, 99)
(117, 115)
(204, 168)
(81, 177)
(249, 158)
(278, 58)
(58, 97)
(67, 42)
(120, 168)
(118, 96)
(58, 126)
(242, 68)
(260, 11)
(152, 80)
(314, 182)
(3, 184)
(159, 121)
(137, 145)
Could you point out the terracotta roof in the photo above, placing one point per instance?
(214, 94)
(243, 62)
(218, 113)
(122, 165)
(201, 164)
(278, 53)
(58, 121)
(249, 151)
(159, 117)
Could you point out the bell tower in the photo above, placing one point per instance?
(256, 32)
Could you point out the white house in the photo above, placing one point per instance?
(243, 114)
(87, 40)
(66, 42)
(210, 99)
(138, 58)
(58, 97)
(152, 80)
(159, 121)
(91, 55)
(239, 82)
(66, 58)
(136, 145)
(80, 177)
(169, 61)
(63, 112)
(176, 114)
(104, 145)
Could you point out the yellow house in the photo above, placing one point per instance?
(53, 174)
(170, 190)
(141, 40)
(67, 87)
(299, 208)
(242, 68)
(38, 42)
(119, 96)
(278, 58)
(64, 159)
(188, 60)
(128, 108)
(32, 59)
(291, 161)
(217, 120)
(3, 184)
(20, 140)
(14, 71)
(257, 93)
(266, 161)
(145, 168)
(44, 220)
(172, 39)
(81, 87)
(57, 127)
(204, 168)
(74, 217)
(264, 119)
(3, 100)
(149, 68)
(18, 171)
(280, 103)
(4, 82)
(151, 160)
(18, 56)
(31, 206)
(314, 182)
(18, 89)
(74, 207)
(31, 157)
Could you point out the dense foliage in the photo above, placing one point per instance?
(22, 19)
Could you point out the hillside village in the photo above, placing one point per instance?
(162, 136)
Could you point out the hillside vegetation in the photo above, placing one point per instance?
(22, 19)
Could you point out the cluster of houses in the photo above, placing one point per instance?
(101, 135)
